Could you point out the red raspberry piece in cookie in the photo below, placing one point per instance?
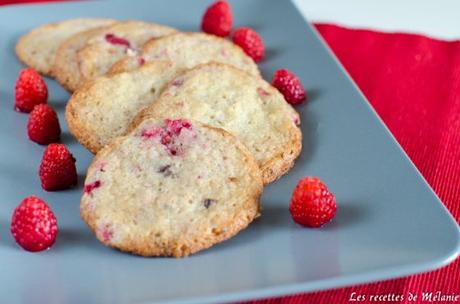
(90, 187)
(30, 90)
(169, 134)
(115, 40)
(175, 126)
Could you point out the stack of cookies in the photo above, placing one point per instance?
(185, 131)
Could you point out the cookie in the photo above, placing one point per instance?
(188, 50)
(102, 109)
(246, 106)
(171, 188)
(37, 48)
(120, 40)
(65, 68)
(86, 57)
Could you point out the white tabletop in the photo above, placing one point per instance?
(435, 18)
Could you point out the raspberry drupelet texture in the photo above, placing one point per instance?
(312, 205)
(43, 125)
(290, 86)
(30, 90)
(251, 43)
(33, 225)
(57, 169)
(217, 19)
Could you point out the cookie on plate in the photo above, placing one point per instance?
(93, 54)
(171, 188)
(65, 68)
(102, 109)
(188, 50)
(246, 106)
(120, 40)
(37, 48)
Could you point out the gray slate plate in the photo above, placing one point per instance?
(389, 224)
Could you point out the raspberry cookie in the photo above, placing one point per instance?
(188, 50)
(65, 68)
(122, 39)
(246, 106)
(102, 109)
(171, 188)
(94, 54)
(37, 48)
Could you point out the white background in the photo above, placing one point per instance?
(435, 18)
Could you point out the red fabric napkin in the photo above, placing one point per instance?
(413, 82)
(4, 2)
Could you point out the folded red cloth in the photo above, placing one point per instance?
(413, 82)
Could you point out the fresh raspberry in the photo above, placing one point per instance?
(33, 224)
(217, 19)
(290, 86)
(31, 90)
(251, 43)
(43, 125)
(57, 169)
(312, 204)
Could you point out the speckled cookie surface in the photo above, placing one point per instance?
(37, 48)
(103, 109)
(171, 188)
(120, 40)
(65, 68)
(246, 106)
(90, 55)
(189, 50)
